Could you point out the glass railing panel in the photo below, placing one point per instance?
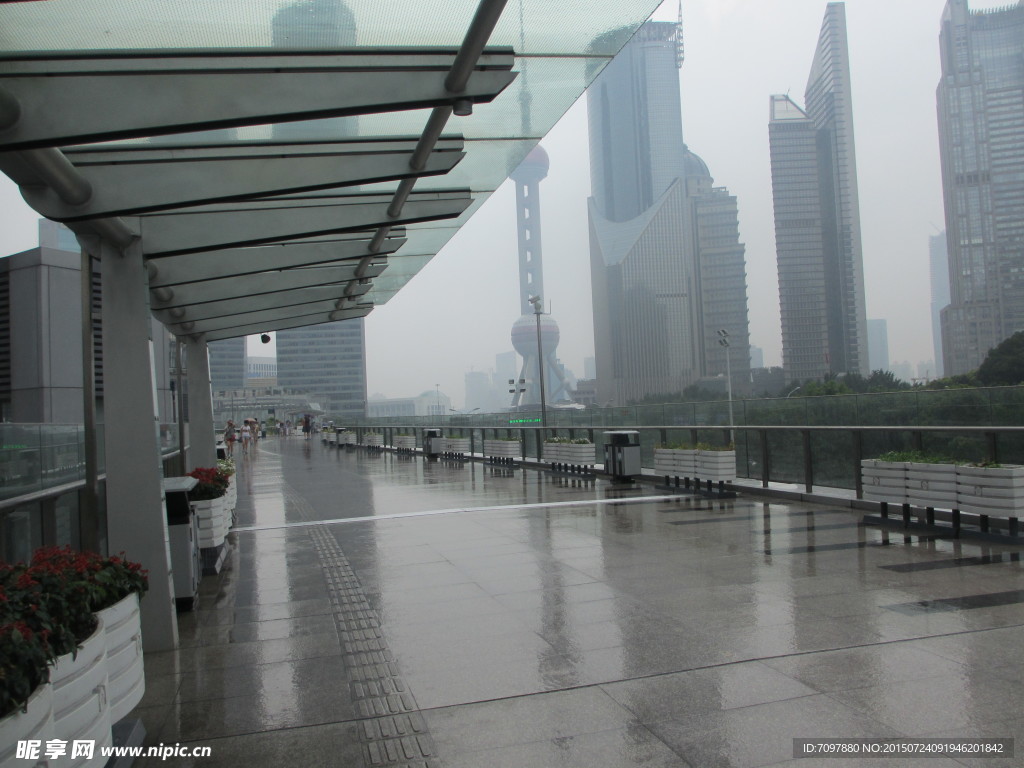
(832, 459)
(19, 460)
(786, 457)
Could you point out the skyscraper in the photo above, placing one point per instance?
(938, 262)
(817, 217)
(667, 267)
(328, 362)
(227, 364)
(981, 146)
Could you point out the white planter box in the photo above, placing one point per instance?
(80, 700)
(716, 466)
(553, 452)
(578, 453)
(373, 440)
(126, 678)
(991, 490)
(405, 441)
(675, 462)
(35, 723)
(884, 480)
(931, 485)
(332, 438)
(213, 521)
(458, 444)
(347, 438)
(503, 448)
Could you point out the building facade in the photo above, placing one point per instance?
(938, 263)
(981, 146)
(227, 364)
(667, 267)
(817, 217)
(327, 362)
(41, 337)
(878, 345)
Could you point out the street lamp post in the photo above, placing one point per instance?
(538, 310)
(724, 341)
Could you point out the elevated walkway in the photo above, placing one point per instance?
(381, 610)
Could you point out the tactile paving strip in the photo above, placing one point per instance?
(393, 733)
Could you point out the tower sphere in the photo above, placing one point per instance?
(524, 334)
(534, 166)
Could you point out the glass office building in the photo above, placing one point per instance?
(981, 145)
(328, 363)
(667, 267)
(817, 217)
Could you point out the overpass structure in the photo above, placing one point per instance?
(239, 169)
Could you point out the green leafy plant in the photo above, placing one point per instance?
(24, 655)
(226, 466)
(710, 447)
(681, 446)
(918, 457)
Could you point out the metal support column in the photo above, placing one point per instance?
(136, 520)
(202, 436)
(91, 536)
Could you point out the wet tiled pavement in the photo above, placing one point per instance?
(379, 610)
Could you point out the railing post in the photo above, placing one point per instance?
(858, 455)
(992, 446)
(765, 458)
(917, 440)
(808, 464)
(663, 436)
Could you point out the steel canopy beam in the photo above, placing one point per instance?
(258, 284)
(195, 267)
(227, 307)
(280, 325)
(131, 188)
(148, 93)
(262, 317)
(252, 224)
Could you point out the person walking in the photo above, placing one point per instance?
(246, 437)
(230, 435)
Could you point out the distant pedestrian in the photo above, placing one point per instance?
(246, 437)
(230, 434)
(306, 426)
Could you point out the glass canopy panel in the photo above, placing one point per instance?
(530, 26)
(560, 48)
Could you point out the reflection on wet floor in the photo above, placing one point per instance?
(381, 610)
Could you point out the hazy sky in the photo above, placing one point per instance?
(457, 313)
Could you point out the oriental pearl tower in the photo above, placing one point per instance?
(527, 178)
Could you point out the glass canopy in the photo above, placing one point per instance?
(556, 51)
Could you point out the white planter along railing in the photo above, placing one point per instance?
(373, 440)
(213, 520)
(458, 444)
(570, 453)
(127, 681)
(405, 442)
(675, 462)
(35, 723)
(716, 466)
(990, 490)
(347, 438)
(503, 448)
(884, 480)
(932, 485)
(81, 709)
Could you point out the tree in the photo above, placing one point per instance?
(1004, 364)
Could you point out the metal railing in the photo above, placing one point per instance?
(808, 456)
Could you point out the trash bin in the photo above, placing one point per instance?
(433, 443)
(183, 541)
(622, 454)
